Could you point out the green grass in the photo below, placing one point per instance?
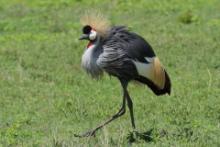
(45, 96)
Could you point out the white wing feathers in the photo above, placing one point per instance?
(152, 70)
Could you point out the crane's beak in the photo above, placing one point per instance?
(84, 36)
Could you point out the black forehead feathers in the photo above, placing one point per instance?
(87, 29)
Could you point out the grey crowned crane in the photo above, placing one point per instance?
(122, 54)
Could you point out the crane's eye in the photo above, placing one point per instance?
(86, 29)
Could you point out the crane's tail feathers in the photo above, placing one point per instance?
(156, 78)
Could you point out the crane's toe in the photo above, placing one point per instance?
(87, 134)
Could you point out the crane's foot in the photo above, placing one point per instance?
(90, 133)
(135, 135)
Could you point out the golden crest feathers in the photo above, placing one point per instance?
(97, 21)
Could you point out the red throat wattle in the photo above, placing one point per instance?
(89, 44)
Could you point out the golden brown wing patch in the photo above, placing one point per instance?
(159, 73)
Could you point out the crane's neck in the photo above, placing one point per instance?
(89, 44)
(89, 58)
(93, 44)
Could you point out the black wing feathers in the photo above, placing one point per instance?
(134, 45)
(120, 48)
(154, 88)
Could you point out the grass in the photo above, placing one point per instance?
(45, 96)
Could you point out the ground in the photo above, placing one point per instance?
(45, 96)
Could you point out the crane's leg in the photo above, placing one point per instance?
(130, 106)
(118, 114)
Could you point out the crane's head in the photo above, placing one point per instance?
(95, 26)
(89, 33)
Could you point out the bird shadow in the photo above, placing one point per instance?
(134, 136)
(148, 136)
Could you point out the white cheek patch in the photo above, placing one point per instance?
(92, 35)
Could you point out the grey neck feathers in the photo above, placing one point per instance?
(90, 57)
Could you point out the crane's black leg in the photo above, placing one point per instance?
(120, 113)
(130, 106)
(128, 98)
